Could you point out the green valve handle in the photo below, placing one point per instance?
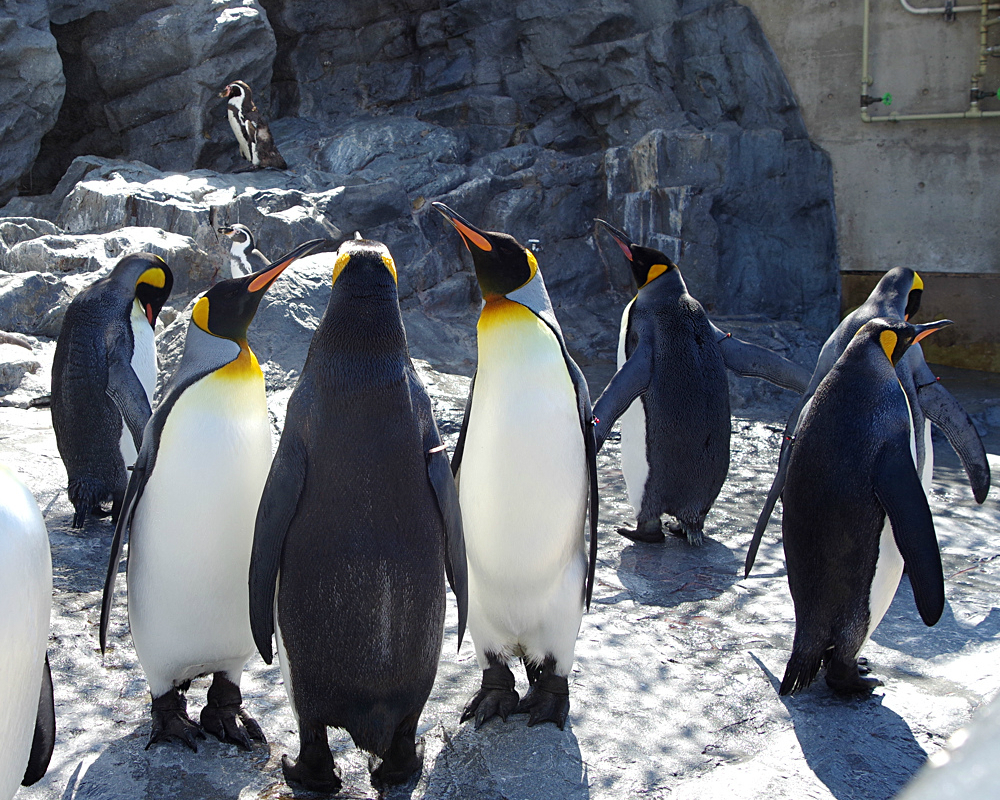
(887, 99)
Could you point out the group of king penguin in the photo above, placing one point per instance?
(337, 549)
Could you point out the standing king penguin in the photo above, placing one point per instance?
(897, 296)
(358, 525)
(855, 511)
(103, 378)
(526, 467)
(672, 397)
(190, 508)
(27, 712)
(252, 134)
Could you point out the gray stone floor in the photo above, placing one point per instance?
(674, 690)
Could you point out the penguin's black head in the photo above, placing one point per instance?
(901, 287)
(895, 336)
(371, 266)
(227, 309)
(237, 89)
(913, 298)
(238, 233)
(647, 264)
(153, 287)
(502, 263)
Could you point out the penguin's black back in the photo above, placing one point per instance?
(686, 404)
(361, 593)
(87, 424)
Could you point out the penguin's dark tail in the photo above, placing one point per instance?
(803, 666)
(86, 494)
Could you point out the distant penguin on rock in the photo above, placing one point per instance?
(27, 711)
(244, 257)
(103, 378)
(672, 396)
(897, 296)
(252, 134)
(358, 525)
(189, 510)
(526, 467)
(855, 510)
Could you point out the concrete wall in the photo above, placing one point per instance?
(920, 194)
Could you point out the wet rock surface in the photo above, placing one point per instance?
(674, 691)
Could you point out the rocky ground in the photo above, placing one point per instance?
(674, 693)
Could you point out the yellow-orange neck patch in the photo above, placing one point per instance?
(339, 264)
(500, 311)
(390, 265)
(917, 283)
(655, 272)
(200, 314)
(888, 340)
(244, 366)
(154, 276)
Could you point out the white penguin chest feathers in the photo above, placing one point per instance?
(144, 367)
(635, 461)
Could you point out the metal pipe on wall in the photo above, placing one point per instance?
(943, 9)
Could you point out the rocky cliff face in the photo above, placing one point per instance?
(671, 119)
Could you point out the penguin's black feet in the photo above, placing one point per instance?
(849, 679)
(314, 769)
(496, 696)
(403, 760)
(171, 722)
(682, 530)
(650, 531)
(225, 718)
(548, 698)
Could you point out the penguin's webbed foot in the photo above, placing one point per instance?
(496, 695)
(693, 533)
(850, 679)
(314, 777)
(650, 532)
(171, 722)
(225, 718)
(402, 762)
(548, 698)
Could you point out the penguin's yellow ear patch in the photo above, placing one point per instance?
(200, 314)
(390, 265)
(154, 276)
(339, 265)
(532, 264)
(888, 340)
(917, 283)
(656, 271)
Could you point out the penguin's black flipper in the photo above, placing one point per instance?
(898, 489)
(628, 383)
(127, 394)
(944, 410)
(44, 739)
(777, 487)
(590, 445)
(277, 508)
(443, 483)
(456, 461)
(752, 361)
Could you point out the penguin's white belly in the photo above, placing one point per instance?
(889, 566)
(927, 474)
(635, 460)
(241, 139)
(144, 366)
(193, 531)
(25, 600)
(523, 481)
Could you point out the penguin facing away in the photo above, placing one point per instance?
(358, 525)
(190, 508)
(103, 378)
(252, 134)
(855, 511)
(28, 723)
(244, 257)
(526, 467)
(897, 296)
(672, 397)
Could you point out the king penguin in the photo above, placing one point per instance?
(896, 296)
(855, 510)
(526, 467)
(244, 257)
(358, 525)
(672, 396)
(27, 722)
(190, 509)
(252, 134)
(103, 378)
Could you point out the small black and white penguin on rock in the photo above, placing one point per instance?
(855, 511)
(672, 396)
(254, 137)
(527, 472)
(358, 525)
(897, 296)
(189, 510)
(244, 257)
(103, 378)
(28, 724)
